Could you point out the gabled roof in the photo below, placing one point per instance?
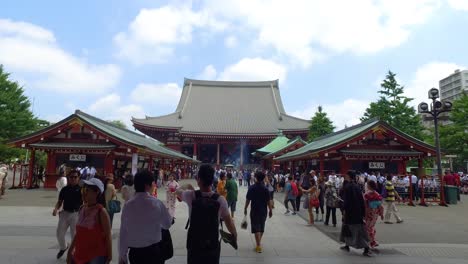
(292, 142)
(113, 131)
(227, 108)
(328, 141)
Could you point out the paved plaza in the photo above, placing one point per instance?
(429, 235)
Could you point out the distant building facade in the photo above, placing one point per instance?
(452, 87)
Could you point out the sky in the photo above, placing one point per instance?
(121, 59)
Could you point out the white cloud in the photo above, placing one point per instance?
(151, 37)
(31, 50)
(230, 42)
(458, 4)
(307, 30)
(346, 113)
(254, 69)
(110, 107)
(426, 77)
(208, 73)
(167, 94)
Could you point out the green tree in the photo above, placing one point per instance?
(393, 107)
(320, 125)
(454, 136)
(118, 123)
(16, 118)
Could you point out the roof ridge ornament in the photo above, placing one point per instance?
(186, 99)
(276, 102)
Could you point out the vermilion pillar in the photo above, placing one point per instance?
(32, 160)
(217, 154)
(402, 167)
(109, 163)
(150, 163)
(343, 166)
(51, 163)
(322, 166)
(195, 150)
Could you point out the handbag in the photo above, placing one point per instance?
(114, 206)
(314, 203)
(167, 249)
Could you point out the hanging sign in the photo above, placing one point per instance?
(77, 157)
(376, 165)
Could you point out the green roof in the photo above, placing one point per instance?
(122, 134)
(276, 144)
(130, 136)
(383, 152)
(290, 143)
(330, 140)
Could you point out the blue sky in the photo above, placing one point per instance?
(118, 59)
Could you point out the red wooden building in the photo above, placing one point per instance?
(82, 139)
(372, 145)
(223, 122)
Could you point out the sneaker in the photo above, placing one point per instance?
(287, 212)
(61, 252)
(366, 254)
(325, 224)
(387, 222)
(294, 213)
(258, 249)
(399, 221)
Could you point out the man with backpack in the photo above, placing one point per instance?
(290, 193)
(206, 208)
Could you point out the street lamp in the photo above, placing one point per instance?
(436, 108)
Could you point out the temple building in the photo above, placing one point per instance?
(372, 145)
(223, 122)
(83, 140)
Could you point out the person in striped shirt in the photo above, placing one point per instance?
(390, 202)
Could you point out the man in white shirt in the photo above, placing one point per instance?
(332, 177)
(142, 221)
(197, 253)
(92, 172)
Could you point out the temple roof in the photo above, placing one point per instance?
(227, 108)
(278, 144)
(332, 140)
(113, 131)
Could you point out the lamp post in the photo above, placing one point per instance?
(436, 108)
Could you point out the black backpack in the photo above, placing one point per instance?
(203, 233)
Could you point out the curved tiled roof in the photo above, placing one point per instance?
(233, 108)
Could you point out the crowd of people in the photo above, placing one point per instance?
(86, 206)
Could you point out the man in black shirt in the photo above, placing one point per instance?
(259, 196)
(70, 201)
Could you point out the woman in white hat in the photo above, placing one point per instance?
(92, 242)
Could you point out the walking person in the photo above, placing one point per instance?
(92, 243)
(61, 182)
(299, 194)
(259, 196)
(390, 194)
(128, 190)
(70, 200)
(221, 184)
(143, 220)
(321, 189)
(171, 196)
(269, 184)
(109, 193)
(313, 193)
(3, 180)
(353, 232)
(231, 197)
(290, 195)
(331, 201)
(206, 208)
(374, 209)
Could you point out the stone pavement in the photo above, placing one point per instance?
(27, 235)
